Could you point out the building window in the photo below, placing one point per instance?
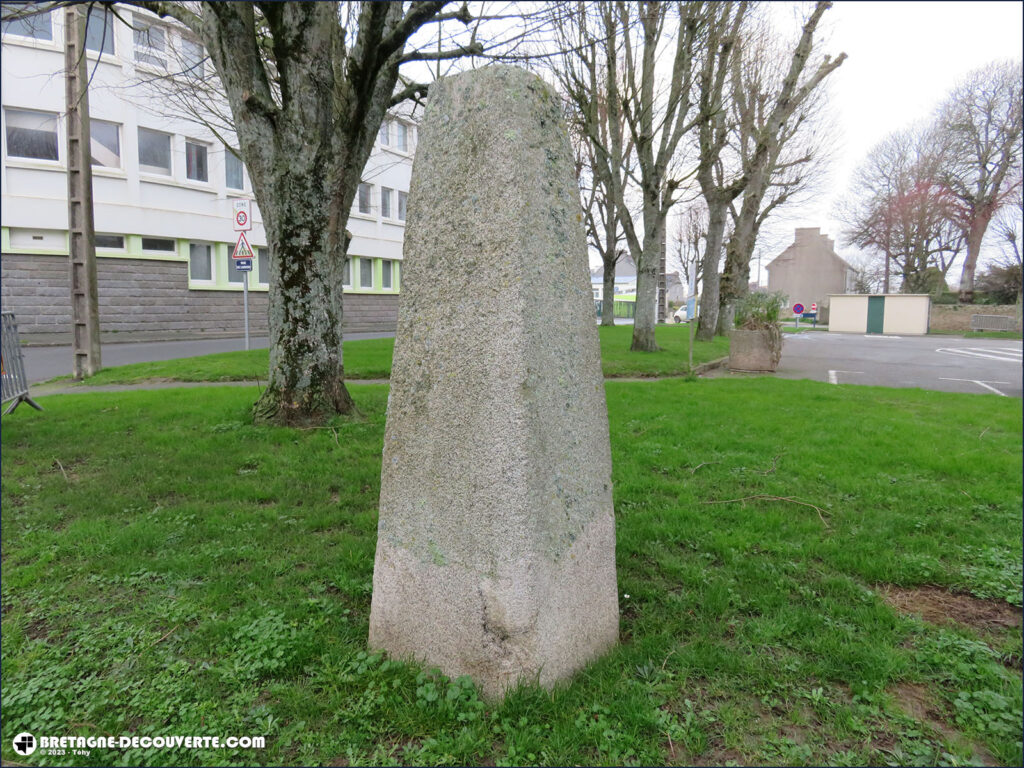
(366, 273)
(234, 176)
(99, 31)
(385, 202)
(403, 199)
(346, 275)
(200, 262)
(385, 274)
(159, 244)
(193, 57)
(234, 275)
(402, 141)
(154, 152)
(38, 27)
(195, 161)
(32, 134)
(384, 135)
(150, 42)
(105, 143)
(364, 198)
(112, 242)
(263, 266)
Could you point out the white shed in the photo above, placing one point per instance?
(894, 313)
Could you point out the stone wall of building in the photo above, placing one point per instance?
(152, 297)
(809, 270)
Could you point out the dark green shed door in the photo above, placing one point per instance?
(876, 313)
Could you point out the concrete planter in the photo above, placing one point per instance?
(752, 351)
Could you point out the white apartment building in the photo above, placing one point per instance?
(163, 187)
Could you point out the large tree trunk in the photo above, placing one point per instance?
(608, 293)
(711, 284)
(646, 317)
(736, 277)
(974, 237)
(305, 231)
(648, 263)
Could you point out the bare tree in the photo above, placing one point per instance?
(588, 76)
(980, 126)
(308, 85)
(795, 167)
(657, 109)
(772, 110)
(1009, 226)
(718, 186)
(898, 210)
(868, 272)
(689, 238)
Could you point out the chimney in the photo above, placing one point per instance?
(807, 234)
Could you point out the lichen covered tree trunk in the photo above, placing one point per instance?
(608, 293)
(975, 235)
(307, 240)
(710, 290)
(648, 262)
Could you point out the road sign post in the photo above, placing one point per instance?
(242, 257)
(798, 309)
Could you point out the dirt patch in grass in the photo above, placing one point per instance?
(37, 629)
(939, 606)
(917, 702)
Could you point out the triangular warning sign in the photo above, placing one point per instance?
(242, 249)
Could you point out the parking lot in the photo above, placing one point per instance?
(945, 363)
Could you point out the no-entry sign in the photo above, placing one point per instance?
(814, 307)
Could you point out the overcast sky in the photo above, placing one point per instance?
(903, 57)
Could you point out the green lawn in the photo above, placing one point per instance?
(168, 568)
(371, 359)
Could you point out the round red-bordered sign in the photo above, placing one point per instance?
(798, 309)
(241, 217)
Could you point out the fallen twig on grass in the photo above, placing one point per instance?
(61, 467)
(767, 497)
(986, 429)
(771, 469)
(335, 433)
(164, 637)
(703, 464)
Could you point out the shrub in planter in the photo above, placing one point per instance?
(756, 342)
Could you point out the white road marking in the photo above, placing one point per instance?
(833, 378)
(984, 384)
(1005, 356)
(880, 336)
(1001, 351)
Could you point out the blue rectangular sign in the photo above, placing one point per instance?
(243, 265)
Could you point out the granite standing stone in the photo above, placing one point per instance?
(496, 542)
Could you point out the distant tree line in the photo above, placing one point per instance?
(928, 195)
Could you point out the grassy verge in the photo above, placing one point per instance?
(171, 569)
(371, 359)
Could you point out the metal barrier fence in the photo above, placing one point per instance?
(12, 368)
(625, 309)
(993, 323)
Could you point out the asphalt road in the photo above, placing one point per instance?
(944, 363)
(43, 363)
